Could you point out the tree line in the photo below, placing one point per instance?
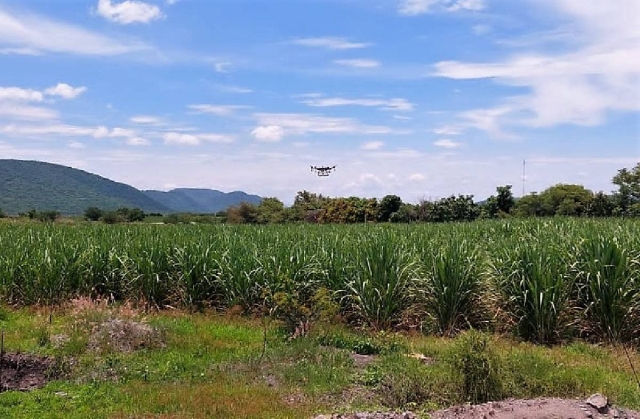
(557, 200)
(560, 199)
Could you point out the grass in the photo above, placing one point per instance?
(211, 366)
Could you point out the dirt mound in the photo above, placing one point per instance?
(118, 335)
(535, 409)
(369, 415)
(24, 372)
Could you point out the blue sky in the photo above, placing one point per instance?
(421, 98)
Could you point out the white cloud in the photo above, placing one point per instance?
(472, 5)
(372, 145)
(129, 11)
(416, 7)
(36, 34)
(19, 94)
(233, 89)
(219, 110)
(417, 177)
(138, 141)
(358, 63)
(19, 51)
(419, 7)
(220, 67)
(274, 126)
(26, 112)
(268, 133)
(330, 43)
(448, 130)
(577, 87)
(76, 145)
(195, 139)
(122, 133)
(145, 120)
(444, 143)
(65, 91)
(482, 29)
(490, 120)
(395, 104)
(65, 130)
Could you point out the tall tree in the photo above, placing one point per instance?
(566, 199)
(505, 200)
(628, 193)
(388, 205)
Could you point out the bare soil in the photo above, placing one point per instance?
(24, 372)
(546, 408)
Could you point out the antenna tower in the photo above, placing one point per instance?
(524, 174)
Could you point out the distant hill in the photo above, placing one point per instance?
(26, 185)
(200, 200)
(45, 186)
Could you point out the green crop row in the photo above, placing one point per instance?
(542, 280)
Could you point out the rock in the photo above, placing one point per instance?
(369, 415)
(599, 402)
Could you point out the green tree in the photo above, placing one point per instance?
(601, 206)
(244, 213)
(406, 214)
(628, 193)
(111, 217)
(566, 199)
(505, 200)
(388, 205)
(529, 206)
(136, 214)
(489, 208)
(270, 211)
(47, 216)
(93, 213)
(306, 206)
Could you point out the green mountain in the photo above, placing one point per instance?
(26, 185)
(200, 200)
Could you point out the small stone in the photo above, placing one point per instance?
(598, 401)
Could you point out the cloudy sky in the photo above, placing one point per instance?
(421, 98)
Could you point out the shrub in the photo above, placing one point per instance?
(478, 365)
(407, 385)
(47, 216)
(110, 217)
(93, 213)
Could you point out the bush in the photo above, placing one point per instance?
(477, 363)
(110, 217)
(93, 213)
(408, 385)
(48, 216)
(380, 343)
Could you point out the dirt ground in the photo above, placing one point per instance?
(535, 409)
(24, 372)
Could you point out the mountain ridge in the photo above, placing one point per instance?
(31, 184)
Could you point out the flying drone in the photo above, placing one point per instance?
(323, 170)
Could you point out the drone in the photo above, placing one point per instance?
(323, 170)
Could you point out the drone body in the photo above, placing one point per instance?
(323, 170)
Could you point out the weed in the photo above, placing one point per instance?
(479, 367)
